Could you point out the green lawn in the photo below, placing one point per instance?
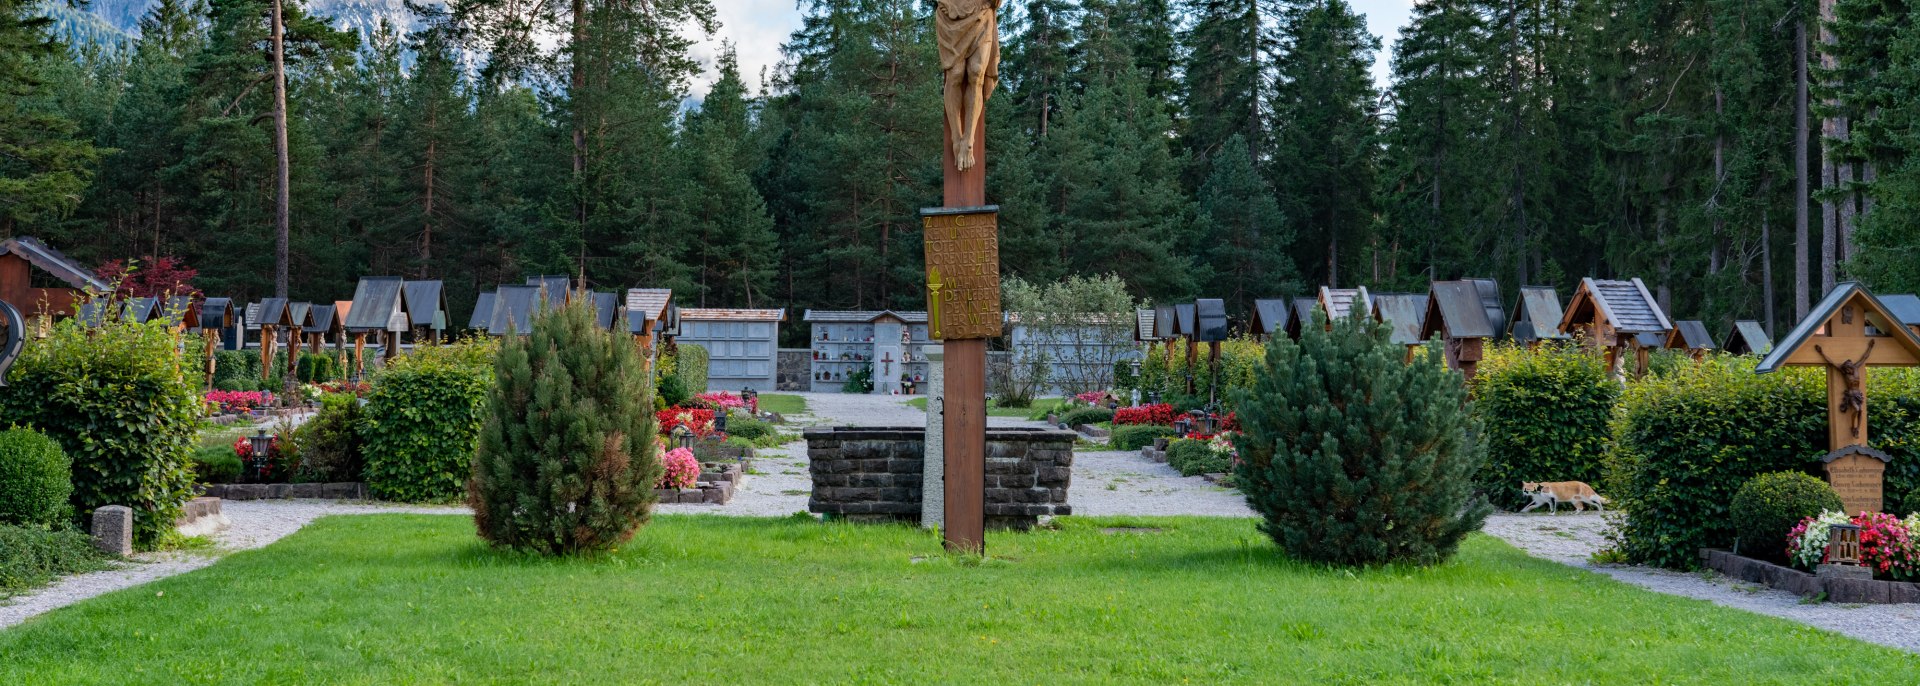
(784, 404)
(995, 410)
(397, 599)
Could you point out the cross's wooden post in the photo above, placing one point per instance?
(266, 352)
(213, 341)
(965, 299)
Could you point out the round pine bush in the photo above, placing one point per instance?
(1353, 456)
(1769, 505)
(568, 459)
(35, 479)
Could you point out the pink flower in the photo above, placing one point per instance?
(683, 471)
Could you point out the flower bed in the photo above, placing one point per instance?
(721, 400)
(237, 402)
(1160, 415)
(697, 420)
(1887, 546)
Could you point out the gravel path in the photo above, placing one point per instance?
(1108, 483)
(1570, 539)
(256, 523)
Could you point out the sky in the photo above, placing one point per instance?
(758, 27)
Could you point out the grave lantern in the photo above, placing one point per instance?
(1153, 397)
(1182, 426)
(753, 399)
(720, 420)
(1843, 545)
(682, 437)
(261, 444)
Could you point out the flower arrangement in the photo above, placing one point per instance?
(1887, 545)
(311, 392)
(1091, 397)
(722, 400)
(1160, 415)
(359, 390)
(1222, 445)
(697, 420)
(682, 469)
(237, 401)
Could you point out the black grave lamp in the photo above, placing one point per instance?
(682, 437)
(1153, 397)
(1182, 427)
(1204, 420)
(720, 420)
(261, 443)
(753, 399)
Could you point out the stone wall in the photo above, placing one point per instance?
(793, 369)
(874, 473)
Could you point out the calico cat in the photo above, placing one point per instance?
(1552, 493)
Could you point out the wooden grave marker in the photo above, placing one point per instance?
(1848, 332)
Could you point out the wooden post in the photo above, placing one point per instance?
(965, 367)
(1193, 358)
(359, 350)
(213, 343)
(293, 351)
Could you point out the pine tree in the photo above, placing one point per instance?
(44, 166)
(1033, 67)
(1225, 76)
(733, 241)
(1435, 186)
(568, 458)
(1325, 150)
(1353, 456)
(1247, 236)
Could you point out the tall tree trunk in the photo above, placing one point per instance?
(283, 172)
(1802, 283)
(1766, 269)
(1830, 134)
(578, 80)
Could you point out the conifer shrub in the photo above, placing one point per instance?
(35, 479)
(124, 405)
(568, 458)
(1768, 506)
(1353, 456)
(1547, 414)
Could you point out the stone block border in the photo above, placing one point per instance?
(703, 493)
(1863, 591)
(350, 490)
(1156, 454)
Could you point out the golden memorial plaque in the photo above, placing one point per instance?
(963, 271)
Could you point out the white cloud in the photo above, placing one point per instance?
(758, 27)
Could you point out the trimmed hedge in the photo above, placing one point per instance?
(1769, 505)
(1547, 415)
(423, 421)
(36, 479)
(1685, 442)
(1086, 415)
(216, 464)
(124, 404)
(1137, 436)
(32, 556)
(1192, 457)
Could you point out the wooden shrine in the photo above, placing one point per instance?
(1464, 314)
(1536, 317)
(377, 310)
(1691, 335)
(1848, 332)
(1269, 318)
(1610, 316)
(215, 319)
(426, 305)
(1747, 338)
(1143, 326)
(21, 257)
(648, 313)
(270, 317)
(1404, 313)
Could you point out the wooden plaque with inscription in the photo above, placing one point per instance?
(963, 271)
(1858, 474)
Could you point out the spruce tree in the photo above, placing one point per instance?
(1247, 236)
(567, 460)
(1354, 456)
(1325, 143)
(44, 165)
(733, 243)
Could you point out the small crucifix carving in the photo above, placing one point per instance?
(1854, 373)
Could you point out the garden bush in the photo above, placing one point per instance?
(36, 478)
(1086, 415)
(1240, 361)
(1768, 506)
(568, 459)
(742, 426)
(31, 556)
(216, 464)
(316, 368)
(1893, 401)
(1135, 437)
(860, 380)
(331, 447)
(236, 370)
(1685, 442)
(1547, 413)
(1192, 457)
(422, 422)
(122, 402)
(672, 391)
(1353, 456)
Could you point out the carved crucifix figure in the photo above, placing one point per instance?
(1854, 372)
(969, 38)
